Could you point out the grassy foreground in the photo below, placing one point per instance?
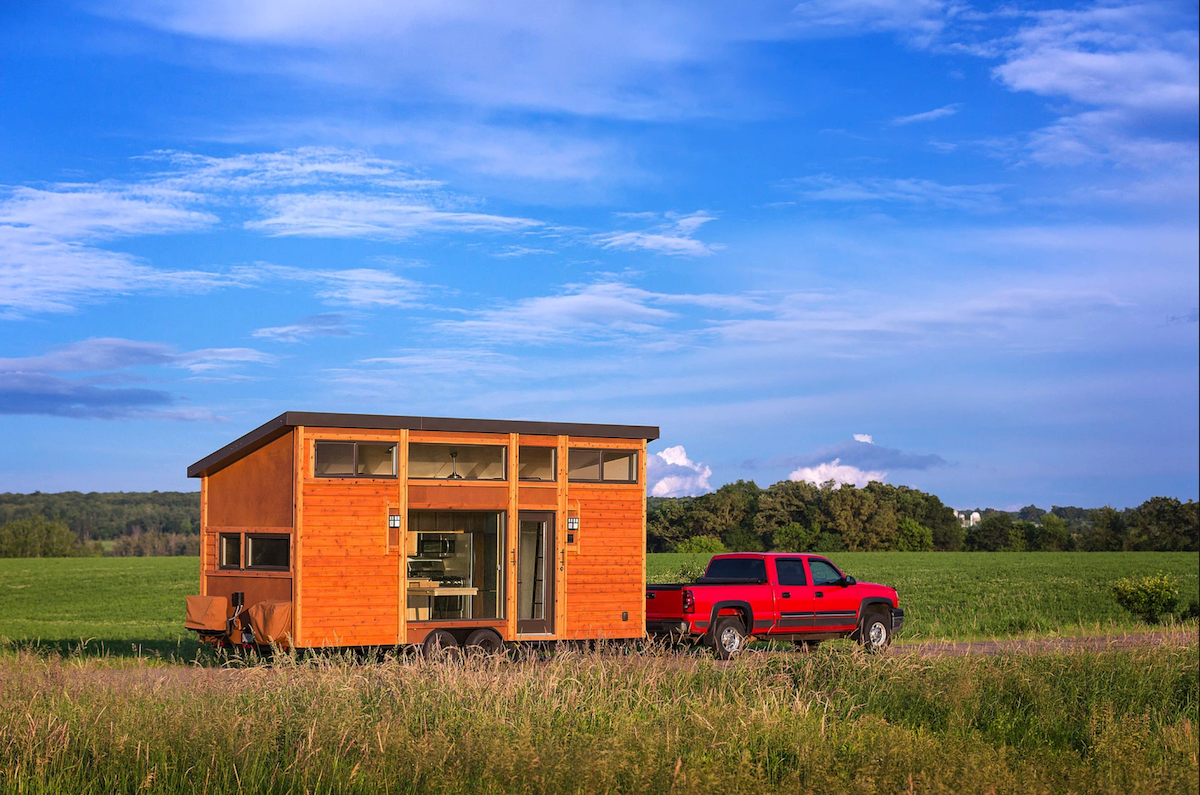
(971, 595)
(135, 605)
(835, 720)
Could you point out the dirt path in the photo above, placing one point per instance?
(1043, 645)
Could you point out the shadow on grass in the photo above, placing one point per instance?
(184, 650)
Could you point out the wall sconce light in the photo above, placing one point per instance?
(572, 522)
(394, 521)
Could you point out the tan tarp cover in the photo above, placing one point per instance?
(207, 612)
(271, 622)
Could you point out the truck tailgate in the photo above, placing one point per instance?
(664, 602)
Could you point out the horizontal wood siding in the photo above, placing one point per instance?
(351, 578)
(605, 576)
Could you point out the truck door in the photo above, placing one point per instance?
(793, 597)
(835, 607)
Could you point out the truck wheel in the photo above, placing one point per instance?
(439, 645)
(876, 631)
(484, 641)
(728, 637)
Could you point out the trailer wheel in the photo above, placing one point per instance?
(439, 645)
(875, 635)
(728, 637)
(484, 641)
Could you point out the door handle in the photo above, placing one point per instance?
(562, 561)
(787, 595)
(820, 594)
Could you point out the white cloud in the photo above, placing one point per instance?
(384, 217)
(670, 473)
(929, 115)
(915, 192)
(675, 237)
(864, 437)
(921, 21)
(839, 473)
(324, 325)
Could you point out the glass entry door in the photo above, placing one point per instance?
(535, 574)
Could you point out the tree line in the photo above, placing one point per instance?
(796, 516)
(121, 524)
(787, 516)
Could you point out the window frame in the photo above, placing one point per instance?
(803, 572)
(354, 461)
(246, 552)
(221, 538)
(553, 463)
(503, 462)
(812, 577)
(604, 451)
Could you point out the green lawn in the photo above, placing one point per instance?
(968, 595)
(118, 603)
(126, 604)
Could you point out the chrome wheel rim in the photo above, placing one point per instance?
(731, 640)
(877, 634)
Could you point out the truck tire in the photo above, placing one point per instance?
(439, 645)
(484, 641)
(875, 633)
(728, 637)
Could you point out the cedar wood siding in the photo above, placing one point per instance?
(252, 494)
(351, 576)
(606, 576)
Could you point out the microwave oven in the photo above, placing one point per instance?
(436, 547)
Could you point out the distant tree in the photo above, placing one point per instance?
(912, 536)
(1030, 513)
(155, 544)
(1071, 514)
(701, 545)
(996, 533)
(1050, 535)
(39, 537)
(1107, 531)
(1164, 524)
(795, 537)
(949, 538)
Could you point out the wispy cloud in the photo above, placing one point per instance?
(914, 192)
(929, 115)
(329, 324)
(675, 237)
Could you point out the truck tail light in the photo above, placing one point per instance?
(689, 602)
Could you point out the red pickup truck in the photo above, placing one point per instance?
(777, 596)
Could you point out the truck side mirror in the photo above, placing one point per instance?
(847, 581)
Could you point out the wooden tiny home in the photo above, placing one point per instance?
(379, 529)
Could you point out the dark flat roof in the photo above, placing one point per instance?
(270, 431)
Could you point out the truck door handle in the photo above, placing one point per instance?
(820, 594)
(787, 595)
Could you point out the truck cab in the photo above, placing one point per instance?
(800, 597)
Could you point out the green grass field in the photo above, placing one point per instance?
(121, 718)
(972, 595)
(125, 604)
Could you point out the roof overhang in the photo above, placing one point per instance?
(281, 425)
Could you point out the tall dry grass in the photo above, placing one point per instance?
(830, 721)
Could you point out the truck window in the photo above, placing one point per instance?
(790, 571)
(737, 569)
(823, 572)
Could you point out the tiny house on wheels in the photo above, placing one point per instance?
(334, 530)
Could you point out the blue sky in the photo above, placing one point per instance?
(949, 245)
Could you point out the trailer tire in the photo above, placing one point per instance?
(484, 641)
(728, 637)
(439, 645)
(875, 633)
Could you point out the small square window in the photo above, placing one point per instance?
(271, 553)
(229, 551)
(334, 460)
(620, 466)
(537, 463)
(583, 465)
